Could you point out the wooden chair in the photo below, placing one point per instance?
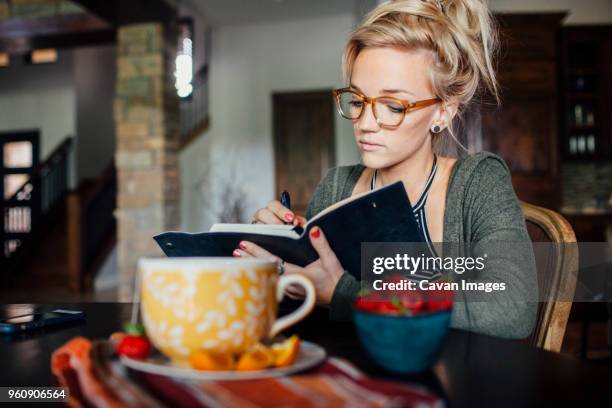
(556, 274)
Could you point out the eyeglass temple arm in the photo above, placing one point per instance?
(424, 103)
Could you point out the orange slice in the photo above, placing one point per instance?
(257, 358)
(286, 352)
(212, 360)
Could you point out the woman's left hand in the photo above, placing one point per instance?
(324, 273)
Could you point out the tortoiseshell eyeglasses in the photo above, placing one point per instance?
(388, 111)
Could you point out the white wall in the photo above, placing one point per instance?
(72, 97)
(580, 11)
(39, 97)
(94, 77)
(248, 64)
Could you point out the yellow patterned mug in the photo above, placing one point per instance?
(190, 304)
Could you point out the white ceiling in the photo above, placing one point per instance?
(221, 12)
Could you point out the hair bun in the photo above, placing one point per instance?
(472, 16)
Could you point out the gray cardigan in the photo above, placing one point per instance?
(481, 209)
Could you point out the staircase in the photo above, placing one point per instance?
(32, 210)
(91, 228)
(55, 239)
(193, 110)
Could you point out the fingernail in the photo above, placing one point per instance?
(289, 217)
(315, 232)
(236, 253)
(242, 245)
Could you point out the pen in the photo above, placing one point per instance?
(285, 200)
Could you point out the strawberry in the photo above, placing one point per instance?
(134, 343)
(414, 305)
(387, 308)
(439, 300)
(137, 347)
(412, 300)
(406, 302)
(435, 306)
(361, 303)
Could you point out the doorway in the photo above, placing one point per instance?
(304, 146)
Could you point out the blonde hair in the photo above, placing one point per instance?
(461, 34)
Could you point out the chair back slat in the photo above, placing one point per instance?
(557, 269)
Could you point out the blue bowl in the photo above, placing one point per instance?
(403, 344)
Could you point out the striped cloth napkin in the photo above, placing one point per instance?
(96, 378)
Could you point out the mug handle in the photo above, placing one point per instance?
(302, 311)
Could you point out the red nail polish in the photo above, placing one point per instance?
(236, 253)
(242, 245)
(288, 217)
(315, 232)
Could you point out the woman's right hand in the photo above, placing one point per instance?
(276, 213)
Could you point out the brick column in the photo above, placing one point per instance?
(146, 123)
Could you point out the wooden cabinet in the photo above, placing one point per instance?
(524, 130)
(586, 118)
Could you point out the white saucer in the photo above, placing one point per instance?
(310, 355)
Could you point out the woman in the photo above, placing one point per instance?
(411, 68)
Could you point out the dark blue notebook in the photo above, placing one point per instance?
(381, 215)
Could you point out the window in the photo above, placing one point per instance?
(17, 154)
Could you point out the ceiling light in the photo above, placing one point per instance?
(5, 59)
(44, 56)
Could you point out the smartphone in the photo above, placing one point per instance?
(37, 320)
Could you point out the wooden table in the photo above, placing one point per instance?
(474, 370)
